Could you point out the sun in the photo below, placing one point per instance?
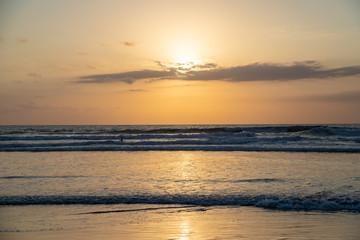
(187, 63)
(183, 50)
(185, 55)
(186, 60)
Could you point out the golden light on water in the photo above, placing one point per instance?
(186, 166)
(185, 230)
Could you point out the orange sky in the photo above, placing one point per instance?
(179, 62)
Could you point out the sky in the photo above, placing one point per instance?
(179, 62)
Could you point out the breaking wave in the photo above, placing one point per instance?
(304, 203)
(299, 138)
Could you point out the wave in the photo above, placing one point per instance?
(193, 140)
(35, 177)
(180, 208)
(172, 129)
(184, 148)
(253, 180)
(121, 129)
(304, 203)
(294, 138)
(169, 147)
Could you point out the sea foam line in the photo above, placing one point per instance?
(209, 147)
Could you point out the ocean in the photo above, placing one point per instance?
(287, 138)
(138, 182)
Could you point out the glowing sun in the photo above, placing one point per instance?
(185, 56)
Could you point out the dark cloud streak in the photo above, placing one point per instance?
(130, 44)
(210, 72)
(22, 40)
(272, 72)
(128, 77)
(136, 90)
(35, 75)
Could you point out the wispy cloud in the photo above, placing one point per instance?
(35, 75)
(22, 40)
(128, 77)
(136, 90)
(81, 53)
(131, 44)
(105, 44)
(211, 71)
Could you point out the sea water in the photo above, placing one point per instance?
(295, 138)
(114, 170)
(284, 181)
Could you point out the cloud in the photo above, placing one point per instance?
(81, 53)
(272, 72)
(162, 65)
(36, 75)
(128, 77)
(22, 40)
(211, 71)
(131, 44)
(192, 66)
(105, 44)
(136, 90)
(206, 65)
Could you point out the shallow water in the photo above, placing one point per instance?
(169, 222)
(179, 195)
(276, 180)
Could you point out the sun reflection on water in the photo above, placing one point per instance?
(186, 166)
(185, 230)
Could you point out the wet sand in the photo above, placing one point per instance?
(169, 222)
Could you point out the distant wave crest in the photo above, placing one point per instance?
(291, 138)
